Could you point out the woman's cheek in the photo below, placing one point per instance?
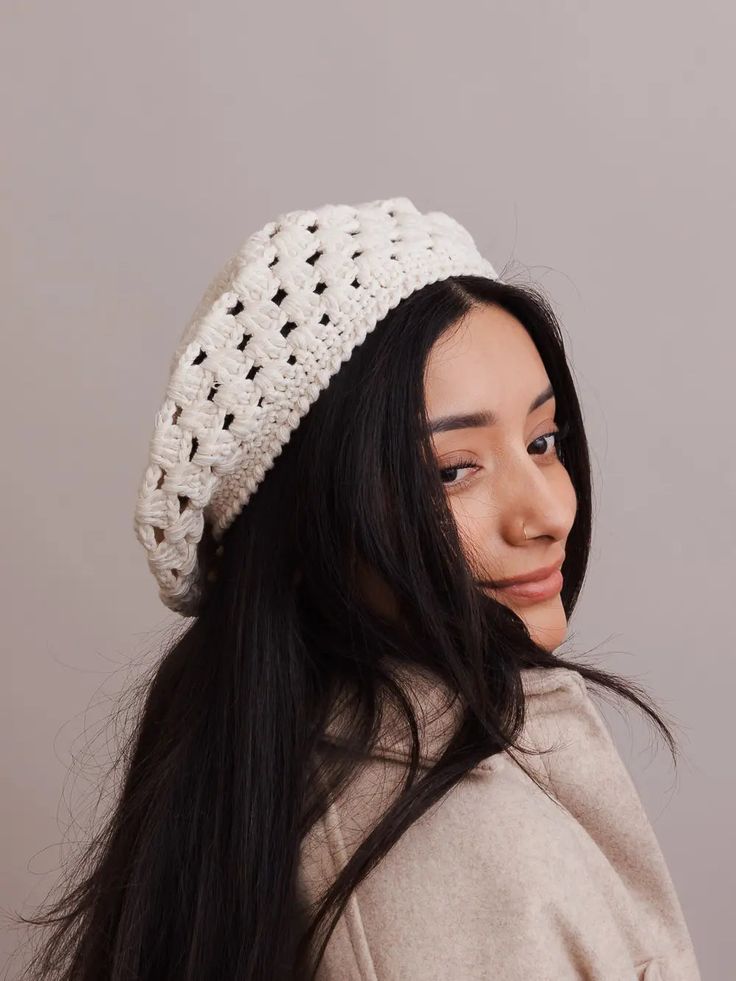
(474, 525)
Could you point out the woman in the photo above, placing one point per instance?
(363, 758)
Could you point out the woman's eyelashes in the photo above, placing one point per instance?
(558, 435)
(460, 465)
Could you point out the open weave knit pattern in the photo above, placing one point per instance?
(274, 325)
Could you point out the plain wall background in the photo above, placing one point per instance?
(590, 145)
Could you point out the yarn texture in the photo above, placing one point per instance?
(273, 327)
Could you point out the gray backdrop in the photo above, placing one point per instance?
(587, 146)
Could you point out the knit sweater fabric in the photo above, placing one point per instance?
(497, 880)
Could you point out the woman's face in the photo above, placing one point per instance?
(502, 476)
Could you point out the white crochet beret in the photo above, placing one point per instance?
(274, 325)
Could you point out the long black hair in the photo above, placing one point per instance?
(195, 872)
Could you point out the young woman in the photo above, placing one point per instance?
(366, 758)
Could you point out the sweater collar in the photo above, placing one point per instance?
(439, 713)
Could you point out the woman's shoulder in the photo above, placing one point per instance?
(498, 872)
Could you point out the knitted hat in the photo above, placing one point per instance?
(273, 327)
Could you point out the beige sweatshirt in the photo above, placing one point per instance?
(497, 881)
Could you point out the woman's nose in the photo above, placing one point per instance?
(534, 503)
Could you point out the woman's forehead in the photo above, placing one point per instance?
(489, 363)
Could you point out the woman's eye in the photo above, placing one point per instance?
(558, 435)
(448, 475)
(453, 471)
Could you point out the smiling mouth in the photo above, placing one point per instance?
(534, 592)
(537, 576)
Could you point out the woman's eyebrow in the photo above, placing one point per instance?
(473, 420)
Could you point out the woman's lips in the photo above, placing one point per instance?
(533, 592)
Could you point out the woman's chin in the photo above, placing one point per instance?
(546, 623)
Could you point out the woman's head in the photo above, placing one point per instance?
(492, 414)
(385, 497)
